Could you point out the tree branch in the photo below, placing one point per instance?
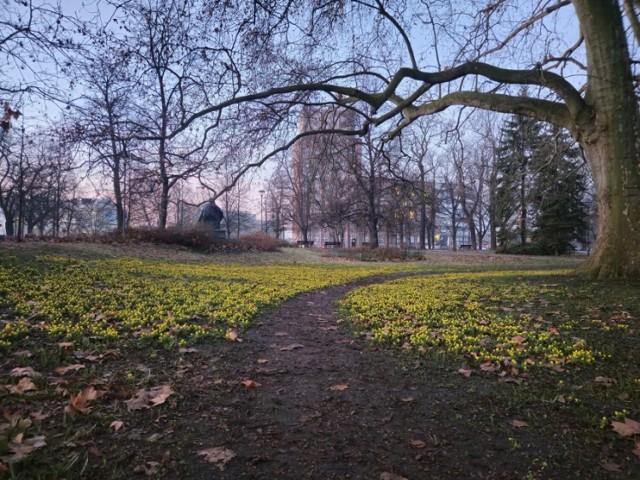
(552, 112)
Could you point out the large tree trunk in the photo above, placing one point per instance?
(610, 141)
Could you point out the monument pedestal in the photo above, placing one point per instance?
(219, 233)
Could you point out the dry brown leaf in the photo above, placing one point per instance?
(65, 345)
(232, 335)
(262, 361)
(519, 339)
(116, 425)
(188, 350)
(465, 371)
(22, 449)
(23, 354)
(150, 469)
(489, 367)
(69, 368)
(219, 456)
(605, 381)
(23, 372)
(338, 388)
(281, 334)
(519, 423)
(160, 394)
(250, 384)
(293, 346)
(78, 403)
(610, 466)
(24, 385)
(417, 444)
(39, 415)
(627, 428)
(149, 398)
(407, 399)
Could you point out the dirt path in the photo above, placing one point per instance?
(329, 407)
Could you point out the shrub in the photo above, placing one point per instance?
(260, 241)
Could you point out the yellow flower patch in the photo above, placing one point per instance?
(169, 302)
(494, 319)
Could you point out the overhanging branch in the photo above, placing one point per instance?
(552, 112)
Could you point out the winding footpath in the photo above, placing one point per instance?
(300, 398)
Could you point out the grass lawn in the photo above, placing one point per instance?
(82, 325)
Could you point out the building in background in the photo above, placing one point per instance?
(318, 161)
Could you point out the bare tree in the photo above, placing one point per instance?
(478, 70)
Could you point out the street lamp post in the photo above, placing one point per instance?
(261, 192)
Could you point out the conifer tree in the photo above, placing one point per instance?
(519, 147)
(558, 195)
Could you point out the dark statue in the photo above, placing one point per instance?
(211, 216)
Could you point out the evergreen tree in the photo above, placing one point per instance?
(557, 195)
(520, 146)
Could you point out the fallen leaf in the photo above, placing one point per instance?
(627, 428)
(24, 385)
(250, 384)
(232, 335)
(25, 447)
(188, 350)
(149, 398)
(262, 361)
(519, 423)
(23, 372)
(293, 346)
(23, 354)
(407, 399)
(281, 334)
(489, 367)
(417, 444)
(219, 456)
(610, 466)
(116, 425)
(69, 368)
(605, 381)
(519, 339)
(338, 388)
(150, 469)
(78, 403)
(464, 371)
(65, 345)
(39, 415)
(390, 476)
(159, 395)
(91, 393)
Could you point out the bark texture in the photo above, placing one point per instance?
(610, 141)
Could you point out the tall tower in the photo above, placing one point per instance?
(314, 155)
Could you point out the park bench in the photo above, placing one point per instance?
(303, 244)
(332, 244)
(465, 247)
